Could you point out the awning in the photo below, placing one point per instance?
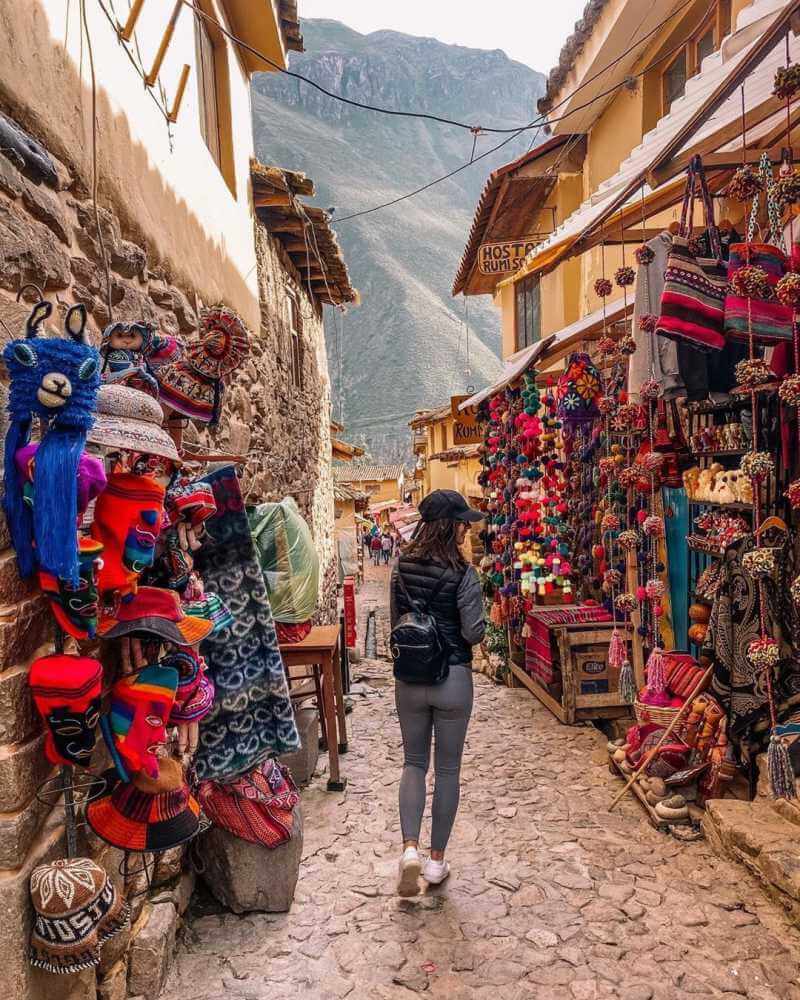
(706, 108)
(404, 515)
(384, 505)
(514, 367)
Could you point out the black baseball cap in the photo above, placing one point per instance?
(447, 505)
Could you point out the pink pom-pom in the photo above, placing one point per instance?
(641, 593)
(641, 516)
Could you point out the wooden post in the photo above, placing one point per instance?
(176, 104)
(130, 25)
(152, 76)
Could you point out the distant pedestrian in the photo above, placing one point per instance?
(376, 548)
(387, 545)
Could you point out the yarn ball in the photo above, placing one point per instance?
(606, 404)
(648, 323)
(752, 372)
(627, 346)
(652, 461)
(641, 516)
(763, 653)
(789, 390)
(598, 551)
(626, 603)
(606, 345)
(628, 540)
(610, 522)
(625, 276)
(787, 189)
(653, 525)
(603, 287)
(757, 464)
(751, 282)
(759, 562)
(612, 578)
(787, 81)
(744, 185)
(649, 389)
(658, 610)
(655, 589)
(644, 255)
(641, 593)
(793, 494)
(788, 290)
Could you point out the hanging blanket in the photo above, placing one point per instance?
(538, 648)
(252, 717)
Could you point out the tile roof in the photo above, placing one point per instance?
(352, 473)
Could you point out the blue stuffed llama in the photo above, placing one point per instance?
(55, 379)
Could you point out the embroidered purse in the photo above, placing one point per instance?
(693, 300)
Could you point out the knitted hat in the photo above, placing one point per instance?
(152, 609)
(75, 608)
(135, 727)
(127, 520)
(131, 420)
(66, 691)
(578, 390)
(193, 385)
(191, 499)
(55, 379)
(161, 349)
(257, 807)
(197, 705)
(213, 608)
(134, 818)
(77, 909)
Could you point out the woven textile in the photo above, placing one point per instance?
(77, 909)
(257, 807)
(538, 648)
(252, 717)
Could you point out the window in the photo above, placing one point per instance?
(527, 312)
(705, 35)
(207, 89)
(213, 93)
(296, 346)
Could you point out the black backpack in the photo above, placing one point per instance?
(418, 648)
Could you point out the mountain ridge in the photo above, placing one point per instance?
(405, 348)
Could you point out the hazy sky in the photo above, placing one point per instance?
(530, 31)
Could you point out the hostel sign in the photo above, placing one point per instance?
(466, 429)
(504, 258)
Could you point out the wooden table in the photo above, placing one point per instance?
(321, 647)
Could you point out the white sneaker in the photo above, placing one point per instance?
(410, 868)
(435, 872)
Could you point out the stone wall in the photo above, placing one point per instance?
(284, 429)
(48, 236)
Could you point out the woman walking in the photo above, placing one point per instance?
(433, 575)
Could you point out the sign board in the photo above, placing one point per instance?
(504, 258)
(466, 429)
(349, 589)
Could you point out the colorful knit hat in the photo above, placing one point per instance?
(77, 909)
(127, 520)
(135, 727)
(257, 807)
(67, 690)
(134, 817)
(197, 705)
(162, 349)
(190, 499)
(75, 608)
(212, 608)
(131, 420)
(152, 609)
(55, 379)
(193, 385)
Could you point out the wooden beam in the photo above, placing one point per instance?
(279, 199)
(155, 69)
(283, 225)
(296, 246)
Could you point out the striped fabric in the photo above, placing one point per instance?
(693, 301)
(771, 322)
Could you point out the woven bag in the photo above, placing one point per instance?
(693, 301)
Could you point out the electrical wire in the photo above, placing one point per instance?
(550, 121)
(418, 114)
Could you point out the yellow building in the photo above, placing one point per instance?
(443, 462)
(637, 91)
(384, 485)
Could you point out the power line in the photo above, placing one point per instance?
(473, 128)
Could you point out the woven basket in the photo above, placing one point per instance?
(659, 717)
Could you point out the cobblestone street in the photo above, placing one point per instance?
(549, 897)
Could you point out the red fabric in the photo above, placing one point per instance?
(127, 520)
(66, 691)
(257, 807)
(288, 633)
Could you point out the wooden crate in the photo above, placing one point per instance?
(588, 687)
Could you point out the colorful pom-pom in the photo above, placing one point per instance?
(603, 287)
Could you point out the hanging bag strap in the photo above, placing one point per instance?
(708, 211)
(687, 209)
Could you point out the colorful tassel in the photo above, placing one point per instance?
(616, 651)
(627, 687)
(779, 765)
(657, 671)
(526, 631)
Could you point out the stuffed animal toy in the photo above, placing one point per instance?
(723, 492)
(123, 353)
(705, 484)
(691, 479)
(743, 486)
(56, 380)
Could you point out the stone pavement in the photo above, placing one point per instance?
(550, 896)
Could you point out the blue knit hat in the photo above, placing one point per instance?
(55, 379)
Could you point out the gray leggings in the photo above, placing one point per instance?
(443, 709)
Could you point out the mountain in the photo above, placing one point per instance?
(405, 347)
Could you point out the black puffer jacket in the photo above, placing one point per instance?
(457, 607)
